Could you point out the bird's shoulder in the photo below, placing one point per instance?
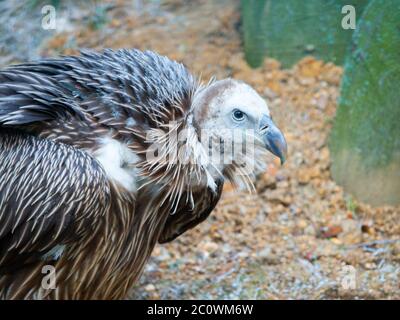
(75, 99)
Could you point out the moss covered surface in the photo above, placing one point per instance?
(288, 30)
(365, 140)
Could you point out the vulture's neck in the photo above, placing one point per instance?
(173, 160)
(170, 157)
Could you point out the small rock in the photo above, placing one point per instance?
(269, 93)
(150, 287)
(370, 265)
(209, 246)
(302, 224)
(330, 232)
(267, 256)
(336, 241)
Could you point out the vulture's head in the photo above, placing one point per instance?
(235, 117)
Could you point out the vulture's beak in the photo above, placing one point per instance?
(273, 138)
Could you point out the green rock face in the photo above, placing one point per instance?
(365, 141)
(290, 29)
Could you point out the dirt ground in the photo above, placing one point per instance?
(299, 236)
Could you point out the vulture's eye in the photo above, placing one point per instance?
(238, 115)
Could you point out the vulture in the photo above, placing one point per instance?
(105, 154)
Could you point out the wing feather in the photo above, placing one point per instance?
(186, 217)
(46, 190)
